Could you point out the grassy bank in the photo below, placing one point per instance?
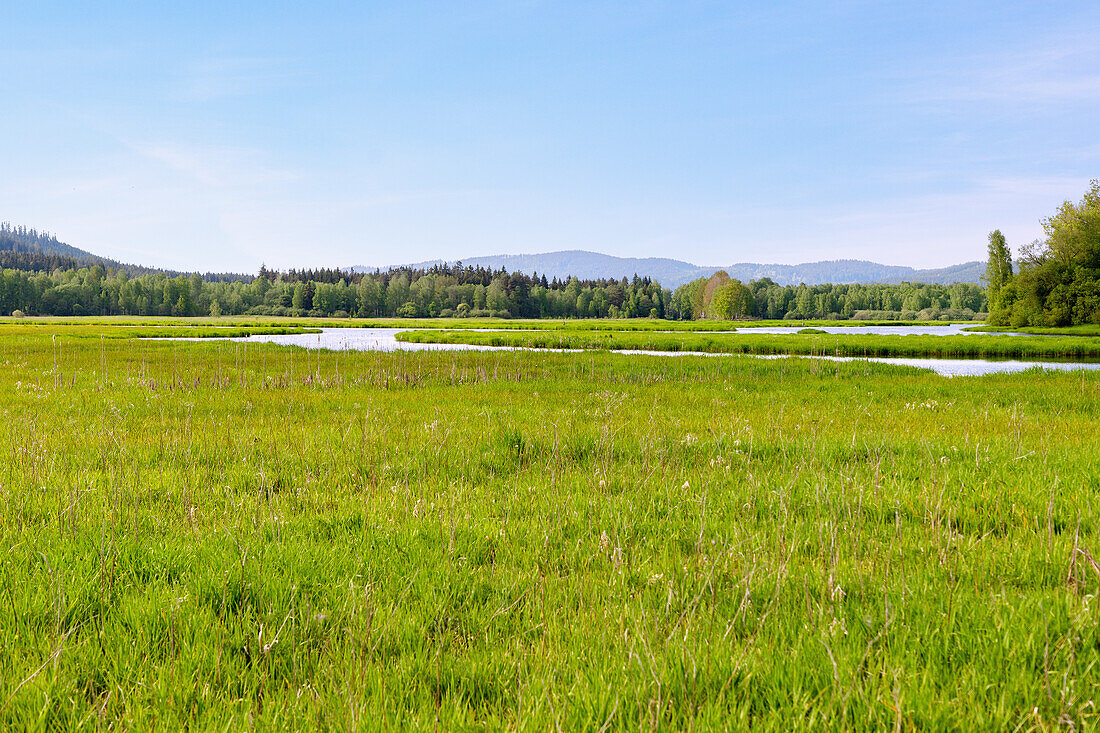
(1085, 330)
(207, 536)
(144, 331)
(800, 343)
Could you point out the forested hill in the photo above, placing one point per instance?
(33, 251)
(673, 273)
(31, 241)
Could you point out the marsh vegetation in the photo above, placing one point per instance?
(225, 535)
(807, 342)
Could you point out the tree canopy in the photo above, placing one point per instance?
(1057, 282)
(721, 297)
(999, 270)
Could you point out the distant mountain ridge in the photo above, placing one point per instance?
(674, 273)
(586, 265)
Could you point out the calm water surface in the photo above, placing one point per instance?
(384, 339)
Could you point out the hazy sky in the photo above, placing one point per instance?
(217, 136)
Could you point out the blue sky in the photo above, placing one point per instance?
(201, 136)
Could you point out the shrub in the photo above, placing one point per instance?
(18, 314)
(929, 314)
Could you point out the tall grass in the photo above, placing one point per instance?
(140, 330)
(213, 535)
(1082, 330)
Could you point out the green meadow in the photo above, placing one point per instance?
(228, 536)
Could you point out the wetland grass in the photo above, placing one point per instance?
(809, 342)
(209, 536)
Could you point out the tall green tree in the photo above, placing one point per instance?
(1058, 279)
(999, 269)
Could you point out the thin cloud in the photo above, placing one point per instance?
(222, 77)
(1060, 69)
(214, 166)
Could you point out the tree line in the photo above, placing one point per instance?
(40, 287)
(1056, 281)
(441, 291)
(42, 276)
(721, 297)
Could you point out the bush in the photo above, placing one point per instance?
(340, 314)
(447, 313)
(18, 314)
(929, 314)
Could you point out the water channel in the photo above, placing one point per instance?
(385, 339)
